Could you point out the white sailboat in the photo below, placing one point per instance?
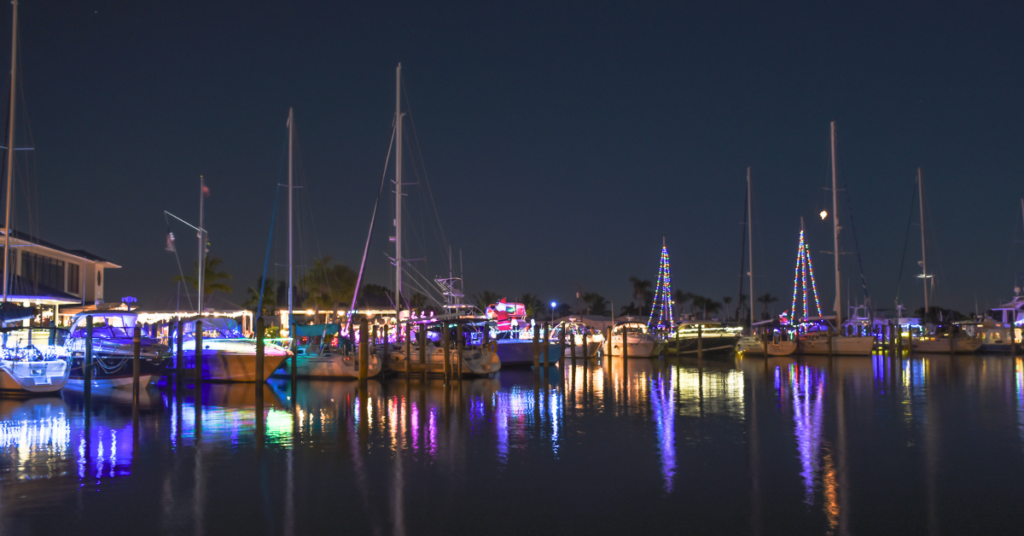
(24, 368)
(826, 342)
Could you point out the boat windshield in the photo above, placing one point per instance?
(107, 326)
(215, 328)
(631, 329)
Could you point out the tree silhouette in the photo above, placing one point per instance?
(767, 299)
(212, 279)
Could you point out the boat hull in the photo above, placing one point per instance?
(943, 346)
(114, 371)
(330, 366)
(226, 366)
(754, 346)
(475, 361)
(641, 348)
(519, 353)
(840, 346)
(592, 348)
(710, 347)
(33, 377)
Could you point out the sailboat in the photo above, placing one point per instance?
(825, 342)
(24, 368)
(754, 344)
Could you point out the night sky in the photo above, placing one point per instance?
(561, 141)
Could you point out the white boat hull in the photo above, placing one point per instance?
(840, 346)
(333, 366)
(635, 348)
(476, 361)
(33, 376)
(592, 348)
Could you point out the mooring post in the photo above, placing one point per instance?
(364, 350)
(408, 349)
(676, 333)
(536, 347)
(700, 341)
(198, 361)
(572, 349)
(608, 341)
(136, 363)
(764, 343)
(460, 345)
(446, 341)
(260, 356)
(547, 345)
(87, 362)
(830, 342)
(387, 344)
(179, 359)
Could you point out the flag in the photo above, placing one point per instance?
(206, 190)
(170, 242)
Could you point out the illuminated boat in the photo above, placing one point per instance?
(317, 358)
(995, 336)
(574, 329)
(639, 342)
(31, 361)
(716, 339)
(112, 351)
(227, 355)
(817, 343)
(477, 358)
(755, 346)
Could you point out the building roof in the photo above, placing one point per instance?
(22, 289)
(25, 237)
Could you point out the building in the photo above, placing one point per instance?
(49, 277)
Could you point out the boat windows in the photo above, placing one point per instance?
(215, 328)
(107, 327)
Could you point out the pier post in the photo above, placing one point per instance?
(625, 348)
(536, 347)
(608, 343)
(364, 350)
(1013, 333)
(136, 363)
(179, 359)
(408, 350)
(87, 361)
(446, 341)
(197, 363)
(764, 343)
(572, 348)
(373, 337)
(830, 342)
(700, 341)
(547, 345)
(460, 344)
(675, 330)
(260, 355)
(387, 344)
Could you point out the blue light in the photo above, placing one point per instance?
(553, 304)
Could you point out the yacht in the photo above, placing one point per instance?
(113, 351)
(816, 342)
(639, 341)
(317, 358)
(995, 336)
(574, 329)
(477, 358)
(32, 360)
(946, 341)
(227, 355)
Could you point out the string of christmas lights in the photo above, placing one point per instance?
(804, 266)
(663, 295)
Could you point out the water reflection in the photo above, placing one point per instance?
(35, 436)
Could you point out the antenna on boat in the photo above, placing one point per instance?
(10, 149)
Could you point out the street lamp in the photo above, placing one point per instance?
(553, 304)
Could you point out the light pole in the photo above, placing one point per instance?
(553, 304)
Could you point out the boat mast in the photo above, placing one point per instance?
(10, 150)
(835, 229)
(291, 128)
(201, 268)
(924, 263)
(398, 188)
(750, 245)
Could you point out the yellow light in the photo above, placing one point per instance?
(823, 214)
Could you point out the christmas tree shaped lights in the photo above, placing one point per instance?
(662, 296)
(804, 267)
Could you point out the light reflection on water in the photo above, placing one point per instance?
(788, 445)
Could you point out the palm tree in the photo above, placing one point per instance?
(728, 314)
(629, 310)
(327, 285)
(641, 291)
(766, 299)
(682, 298)
(740, 307)
(596, 304)
(484, 298)
(252, 300)
(711, 306)
(211, 277)
(532, 304)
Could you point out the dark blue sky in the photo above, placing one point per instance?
(562, 141)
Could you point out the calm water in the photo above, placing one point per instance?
(860, 446)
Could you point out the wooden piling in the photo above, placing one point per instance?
(608, 344)
(197, 364)
(387, 344)
(625, 346)
(408, 350)
(572, 348)
(547, 344)
(136, 363)
(179, 355)
(700, 341)
(536, 347)
(447, 352)
(460, 345)
(364, 350)
(87, 361)
(260, 356)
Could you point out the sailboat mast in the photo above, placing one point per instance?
(924, 261)
(291, 191)
(398, 188)
(201, 266)
(835, 229)
(750, 246)
(10, 151)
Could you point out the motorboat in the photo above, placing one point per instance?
(638, 340)
(715, 337)
(823, 342)
(227, 355)
(996, 337)
(951, 340)
(32, 360)
(112, 351)
(477, 358)
(773, 347)
(317, 358)
(574, 336)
